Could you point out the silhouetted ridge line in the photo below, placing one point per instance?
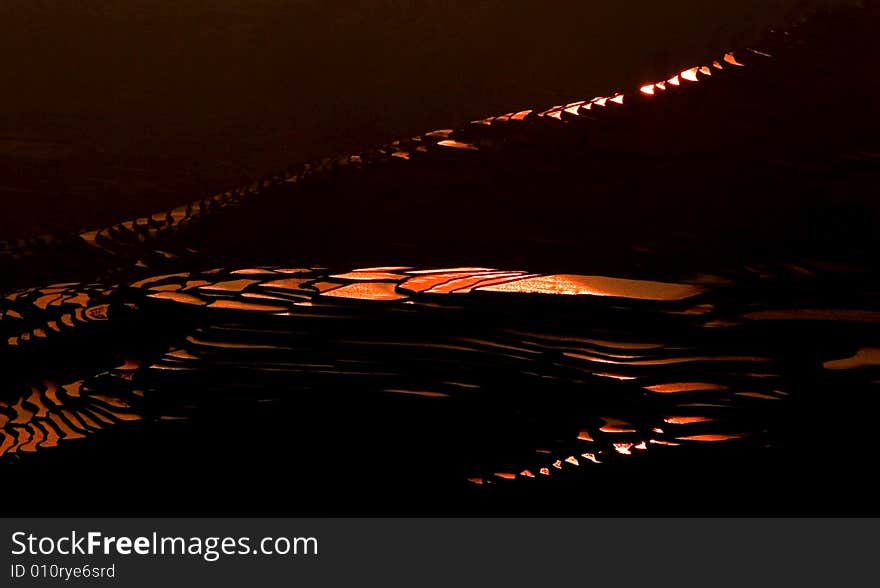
(173, 238)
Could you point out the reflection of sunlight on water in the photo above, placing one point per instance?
(572, 285)
(623, 448)
(687, 420)
(530, 360)
(424, 393)
(179, 297)
(51, 414)
(684, 387)
(713, 437)
(368, 291)
(864, 357)
(641, 398)
(690, 74)
(729, 58)
(457, 145)
(672, 384)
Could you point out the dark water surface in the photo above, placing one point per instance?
(663, 299)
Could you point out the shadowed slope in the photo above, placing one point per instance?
(762, 151)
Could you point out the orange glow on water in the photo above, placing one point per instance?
(167, 288)
(729, 58)
(251, 271)
(623, 448)
(459, 283)
(424, 393)
(575, 285)
(591, 341)
(364, 275)
(667, 360)
(712, 438)
(263, 297)
(684, 387)
(367, 291)
(457, 145)
(674, 81)
(620, 377)
(230, 286)
(690, 74)
(427, 282)
(864, 357)
(384, 268)
(179, 297)
(285, 284)
(687, 420)
(44, 301)
(760, 395)
(67, 431)
(648, 89)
